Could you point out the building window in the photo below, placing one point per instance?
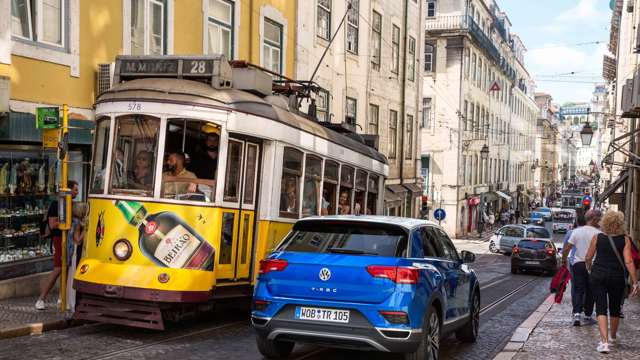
(393, 133)
(411, 66)
(431, 8)
(374, 115)
(473, 68)
(39, 20)
(395, 50)
(272, 46)
(426, 113)
(352, 27)
(220, 27)
(429, 51)
(409, 154)
(323, 29)
(351, 111)
(322, 105)
(376, 40)
(148, 25)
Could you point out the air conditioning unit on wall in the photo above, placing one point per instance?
(104, 78)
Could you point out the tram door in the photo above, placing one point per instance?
(238, 220)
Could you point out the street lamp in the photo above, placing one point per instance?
(484, 152)
(586, 134)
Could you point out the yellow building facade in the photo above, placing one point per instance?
(51, 52)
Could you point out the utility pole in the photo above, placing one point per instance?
(64, 203)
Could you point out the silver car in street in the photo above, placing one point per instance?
(507, 236)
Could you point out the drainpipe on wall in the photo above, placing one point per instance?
(403, 91)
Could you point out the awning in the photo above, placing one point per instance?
(504, 196)
(391, 197)
(414, 188)
(397, 189)
(609, 190)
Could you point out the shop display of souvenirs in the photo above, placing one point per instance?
(26, 176)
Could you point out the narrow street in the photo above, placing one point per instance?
(507, 300)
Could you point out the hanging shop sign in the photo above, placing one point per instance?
(47, 118)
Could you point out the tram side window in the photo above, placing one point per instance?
(372, 195)
(190, 160)
(290, 186)
(329, 188)
(100, 152)
(311, 190)
(134, 156)
(360, 192)
(346, 190)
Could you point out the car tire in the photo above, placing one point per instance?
(493, 248)
(469, 332)
(273, 349)
(429, 346)
(514, 270)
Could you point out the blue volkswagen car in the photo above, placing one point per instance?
(365, 282)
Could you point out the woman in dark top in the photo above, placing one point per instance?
(607, 273)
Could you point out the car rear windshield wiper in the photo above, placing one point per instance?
(349, 251)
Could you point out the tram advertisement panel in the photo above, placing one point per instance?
(164, 235)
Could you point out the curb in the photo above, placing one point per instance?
(34, 328)
(523, 331)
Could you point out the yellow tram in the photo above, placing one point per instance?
(198, 171)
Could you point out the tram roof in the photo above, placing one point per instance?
(190, 92)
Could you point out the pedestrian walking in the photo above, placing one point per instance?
(53, 222)
(612, 251)
(579, 222)
(580, 239)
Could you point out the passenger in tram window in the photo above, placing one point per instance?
(205, 160)
(289, 194)
(324, 203)
(343, 203)
(173, 178)
(310, 198)
(141, 177)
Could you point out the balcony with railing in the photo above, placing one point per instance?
(445, 23)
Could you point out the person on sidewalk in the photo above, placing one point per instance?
(607, 274)
(579, 223)
(56, 239)
(580, 238)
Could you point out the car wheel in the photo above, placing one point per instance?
(514, 269)
(469, 332)
(493, 248)
(429, 347)
(273, 349)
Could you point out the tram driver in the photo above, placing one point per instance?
(174, 178)
(205, 160)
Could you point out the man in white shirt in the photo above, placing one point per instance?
(580, 239)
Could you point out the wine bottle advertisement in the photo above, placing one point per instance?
(160, 234)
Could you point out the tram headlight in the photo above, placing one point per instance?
(122, 249)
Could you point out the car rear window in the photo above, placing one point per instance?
(538, 233)
(346, 238)
(534, 244)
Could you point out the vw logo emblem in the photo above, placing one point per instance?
(324, 274)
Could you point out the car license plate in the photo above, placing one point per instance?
(320, 314)
(532, 262)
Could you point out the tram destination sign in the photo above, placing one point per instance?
(206, 68)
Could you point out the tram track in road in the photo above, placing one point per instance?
(124, 351)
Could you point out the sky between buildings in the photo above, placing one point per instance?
(560, 35)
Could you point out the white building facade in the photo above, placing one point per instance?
(370, 80)
(468, 48)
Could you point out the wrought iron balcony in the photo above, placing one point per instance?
(445, 23)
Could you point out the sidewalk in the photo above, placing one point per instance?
(549, 334)
(18, 317)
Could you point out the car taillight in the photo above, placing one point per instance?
(516, 250)
(397, 274)
(551, 252)
(269, 265)
(260, 305)
(395, 317)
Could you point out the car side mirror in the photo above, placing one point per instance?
(467, 256)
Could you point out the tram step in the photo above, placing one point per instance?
(120, 312)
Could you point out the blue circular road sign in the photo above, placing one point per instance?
(439, 214)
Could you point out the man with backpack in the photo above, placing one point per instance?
(55, 234)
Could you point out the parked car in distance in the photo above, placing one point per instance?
(545, 211)
(534, 254)
(365, 282)
(507, 236)
(535, 218)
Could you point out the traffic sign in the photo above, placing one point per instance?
(494, 87)
(439, 214)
